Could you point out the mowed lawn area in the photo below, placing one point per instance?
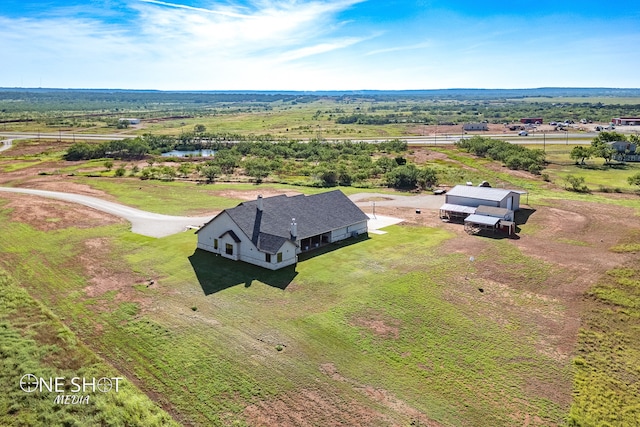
(386, 330)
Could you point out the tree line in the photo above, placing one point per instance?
(512, 156)
(313, 163)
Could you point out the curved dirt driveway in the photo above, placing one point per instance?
(158, 225)
(142, 222)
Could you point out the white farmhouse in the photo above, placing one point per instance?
(271, 232)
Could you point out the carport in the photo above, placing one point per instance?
(449, 211)
(473, 224)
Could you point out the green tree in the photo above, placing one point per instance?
(210, 172)
(199, 129)
(227, 160)
(120, 171)
(634, 179)
(79, 151)
(426, 178)
(580, 153)
(386, 164)
(257, 168)
(344, 176)
(108, 164)
(601, 147)
(167, 173)
(184, 169)
(405, 176)
(575, 183)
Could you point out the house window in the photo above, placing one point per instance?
(279, 256)
(229, 249)
(267, 257)
(215, 243)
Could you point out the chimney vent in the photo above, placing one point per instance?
(294, 229)
(260, 205)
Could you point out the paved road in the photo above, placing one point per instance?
(142, 222)
(533, 138)
(64, 135)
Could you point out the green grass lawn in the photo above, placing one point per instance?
(190, 198)
(205, 339)
(391, 315)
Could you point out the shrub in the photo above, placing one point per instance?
(576, 183)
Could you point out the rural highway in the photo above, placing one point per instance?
(142, 222)
(533, 138)
(64, 135)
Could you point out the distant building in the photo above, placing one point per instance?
(626, 121)
(625, 151)
(475, 126)
(129, 121)
(532, 120)
(271, 232)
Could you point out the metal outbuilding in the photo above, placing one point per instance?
(465, 195)
(482, 208)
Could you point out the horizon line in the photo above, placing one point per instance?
(320, 90)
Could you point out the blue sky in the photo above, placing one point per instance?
(318, 44)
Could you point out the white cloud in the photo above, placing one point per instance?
(301, 45)
(174, 46)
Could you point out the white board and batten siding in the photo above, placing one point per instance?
(261, 232)
(349, 231)
(244, 250)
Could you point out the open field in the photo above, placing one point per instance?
(381, 332)
(296, 115)
(397, 329)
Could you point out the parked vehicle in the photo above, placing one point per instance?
(523, 133)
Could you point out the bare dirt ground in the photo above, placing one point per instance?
(314, 407)
(48, 214)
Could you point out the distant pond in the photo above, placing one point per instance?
(190, 153)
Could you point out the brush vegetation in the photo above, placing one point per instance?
(34, 341)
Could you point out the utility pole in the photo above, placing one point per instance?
(435, 135)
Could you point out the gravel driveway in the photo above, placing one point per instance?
(142, 222)
(158, 225)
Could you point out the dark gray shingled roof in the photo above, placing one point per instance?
(315, 214)
(233, 235)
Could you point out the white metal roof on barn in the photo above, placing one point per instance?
(481, 219)
(484, 193)
(457, 208)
